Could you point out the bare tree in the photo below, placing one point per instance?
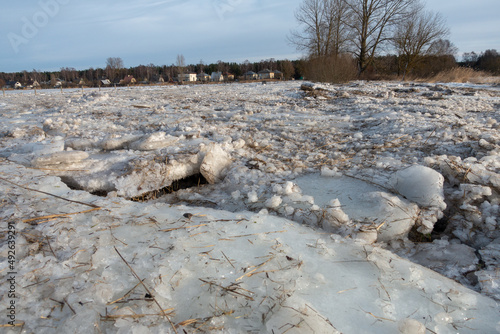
(181, 64)
(36, 76)
(415, 35)
(336, 31)
(221, 66)
(246, 66)
(489, 61)
(443, 47)
(113, 65)
(68, 74)
(470, 58)
(310, 17)
(323, 30)
(370, 22)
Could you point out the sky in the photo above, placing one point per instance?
(49, 34)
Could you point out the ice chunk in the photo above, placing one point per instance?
(452, 260)
(214, 165)
(421, 185)
(361, 202)
(393, 216)
(273, 202)
(65, 157)
(334, 216)
(252, 196)
(151, 142)
(110, 144)
(327, 172)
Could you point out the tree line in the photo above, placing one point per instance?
(488, 61)
(115, 71)
(344, 39)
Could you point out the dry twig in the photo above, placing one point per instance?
(147, 289)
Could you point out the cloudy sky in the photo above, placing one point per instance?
(50, 34)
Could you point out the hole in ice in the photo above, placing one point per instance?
(192, 181)
(72, 184)
(440, 225)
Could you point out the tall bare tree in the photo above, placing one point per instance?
(113, 66)
(371, 22)
(323, 31)
(336, 31)
(443, 47)
(181, 64)
(415, 36)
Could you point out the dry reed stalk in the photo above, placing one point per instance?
(41, 282)
(60, 170)
(228, 259)
(248, 235)
(183, 227)
(377, 317)
(142, 107)
(15, 325)
(147, 289)
(193, 235)
(231, 289)
(125, 295)
(51, 217)
(49, 194)
(133, 316)
(51, 250)
(256, 267)
(187, 322)
(342, 291)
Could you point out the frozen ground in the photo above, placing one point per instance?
(294, 210)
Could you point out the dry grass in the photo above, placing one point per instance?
(462, 74)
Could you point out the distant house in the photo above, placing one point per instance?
(10, 84)
(33, 84)
(217, 76)
(278, 75)
(228, 76)
(161, 80)
(266, 74)
(105, 82)
(18, 85)
(250, 75)
(203, 77)
(128, 80)
(187, 77)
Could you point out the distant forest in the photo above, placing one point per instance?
(383, 67)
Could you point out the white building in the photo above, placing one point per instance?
(203, 77)
(217, 76)
(250, 75)
(266, 74)
(187, 77)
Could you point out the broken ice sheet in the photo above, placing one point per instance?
(363, 202)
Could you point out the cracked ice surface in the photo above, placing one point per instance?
(348, 177)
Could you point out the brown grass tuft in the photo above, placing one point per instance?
(463, 74)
